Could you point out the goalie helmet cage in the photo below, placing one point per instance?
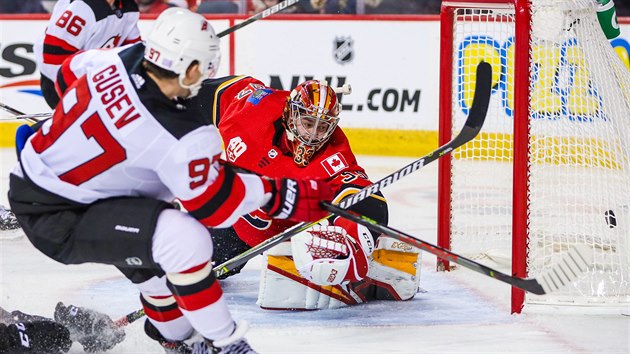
(550, 168)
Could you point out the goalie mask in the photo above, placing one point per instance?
(310, 118)
(180, 37)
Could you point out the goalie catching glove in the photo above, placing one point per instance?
(296, 199)
(332, 254)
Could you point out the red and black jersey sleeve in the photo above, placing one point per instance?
(219, 201)
(57, 49)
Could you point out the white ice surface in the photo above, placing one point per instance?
(460, 312)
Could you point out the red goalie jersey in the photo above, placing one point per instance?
(249, 117)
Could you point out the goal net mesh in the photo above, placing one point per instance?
(578, 166)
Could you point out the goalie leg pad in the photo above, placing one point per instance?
(283, 288)
(395, 269)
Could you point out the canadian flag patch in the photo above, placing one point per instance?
(334, 164)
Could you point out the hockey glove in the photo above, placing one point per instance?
(95, 331)
(297, 199)
(332, 254)
(45, 337)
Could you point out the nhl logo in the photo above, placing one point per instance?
(343, 51)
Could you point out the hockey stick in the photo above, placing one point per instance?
(472, 126)
(265, 13)
(571, 265)
(129, 318)
(10, 109)
(20, 115)
(32, 118)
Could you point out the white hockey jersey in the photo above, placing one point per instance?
(85, 24)
(115, 134)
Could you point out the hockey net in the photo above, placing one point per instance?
(551, 165)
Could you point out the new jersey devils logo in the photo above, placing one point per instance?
(113, 42)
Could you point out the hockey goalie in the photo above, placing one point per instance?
(334, 264)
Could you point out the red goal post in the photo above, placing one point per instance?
(551, 167)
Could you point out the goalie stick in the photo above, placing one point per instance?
(472, 126)
(571, 265)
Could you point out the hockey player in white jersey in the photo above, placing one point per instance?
(130, 134)
(77, 25)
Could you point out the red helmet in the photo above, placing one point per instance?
(310, 117)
